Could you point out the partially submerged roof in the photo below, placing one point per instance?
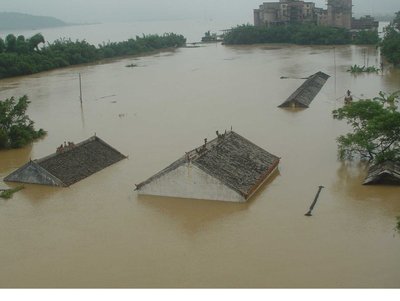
(384, 173)
(233, 160)
(306, 93)
(68, 165)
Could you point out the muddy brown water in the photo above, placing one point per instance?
(100, 233)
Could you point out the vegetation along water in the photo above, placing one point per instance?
(22, 56)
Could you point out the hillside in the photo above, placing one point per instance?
(11, 21)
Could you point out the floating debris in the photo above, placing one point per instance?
(363, 69)
(107, 96)
(8, 193)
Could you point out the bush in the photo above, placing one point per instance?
(305, 34)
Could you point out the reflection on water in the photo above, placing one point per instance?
(99, 233)
(13, 159)
(196, 215)
(192, 215)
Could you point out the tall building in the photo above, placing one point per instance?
(340, 13)
(284, 12)
(337, 14)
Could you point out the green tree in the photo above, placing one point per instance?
(390, 45)
(35, 40)
(396, 21)
(21, 45)
(23, 56)
(16, 128)
(366, 37)
(376, 129)
(2, 45)
(11, 43)
(305, 34)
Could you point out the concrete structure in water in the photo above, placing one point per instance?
(70, 164)
(285, 12)
(228, 168)
(337, 14)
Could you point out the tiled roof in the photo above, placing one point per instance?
(306, 93)
(230, 158)
(384, 173)
(69, 166)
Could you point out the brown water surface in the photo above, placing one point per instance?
(99, 233)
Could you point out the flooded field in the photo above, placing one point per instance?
(100, 233)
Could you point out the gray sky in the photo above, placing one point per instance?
(133, 10)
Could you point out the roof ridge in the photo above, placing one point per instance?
(201, 150)
(55, 154)
(86, 141)
(106, 144)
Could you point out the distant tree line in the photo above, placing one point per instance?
(390, 44)
(21, 56)
(302, 34)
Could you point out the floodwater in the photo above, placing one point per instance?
(100, 233)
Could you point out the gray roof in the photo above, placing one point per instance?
(306, 93)
(69, 166)
(230, 158)
(384, 173)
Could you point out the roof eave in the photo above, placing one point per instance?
(264, 178)
(57, 181)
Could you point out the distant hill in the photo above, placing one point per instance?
(11, 21)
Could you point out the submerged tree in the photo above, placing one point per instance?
(16, 128)
(376, 129)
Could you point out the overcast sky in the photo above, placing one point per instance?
(134, 10)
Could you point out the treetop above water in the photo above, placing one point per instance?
(305, 34)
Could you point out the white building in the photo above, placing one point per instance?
(228, 168)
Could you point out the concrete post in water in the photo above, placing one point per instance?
(315, 201)
(80, 87)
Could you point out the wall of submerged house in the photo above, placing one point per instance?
(189, 181)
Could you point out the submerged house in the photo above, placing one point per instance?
(306, 93)
(387, 173)
(228, 168)
(70, 164)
